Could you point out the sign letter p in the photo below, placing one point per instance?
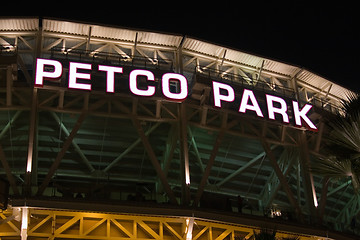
(218, 96)
(41, 73)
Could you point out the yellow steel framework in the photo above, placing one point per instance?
(57, 224)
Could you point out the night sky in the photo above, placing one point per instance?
(322, 38)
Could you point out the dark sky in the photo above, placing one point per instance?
(323, 38)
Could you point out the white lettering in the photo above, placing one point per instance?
(272, 110)
(140, 84)
(218, 97)
(133, 83)
(301, 114)
(74, 75)
(248, 94)
(110, 76)
(41, 74)
(166, 86)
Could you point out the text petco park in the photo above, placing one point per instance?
(80, 77)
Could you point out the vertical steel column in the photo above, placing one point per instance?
(323, 198)
(184, 153)
(307, 178)
(88, 40)
(295, 85)
(33, 116)
(9, 84)
(32, 126)
(184, 147)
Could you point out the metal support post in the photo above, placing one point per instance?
(32, 131)
(184, 152)
(24, 223)
(308, 181)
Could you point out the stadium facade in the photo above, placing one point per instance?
(115, 133)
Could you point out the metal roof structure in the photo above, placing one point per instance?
(114, 146)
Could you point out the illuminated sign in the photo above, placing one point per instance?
(80, 78)
(275, 105)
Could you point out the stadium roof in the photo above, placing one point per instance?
(304, 77)
(96, 136)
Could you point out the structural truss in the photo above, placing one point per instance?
(57, 143)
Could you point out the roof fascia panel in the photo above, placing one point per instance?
(112, 33)
(19, 24)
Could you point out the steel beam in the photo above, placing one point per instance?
(29, 46)
(31, 140)
(350, 210)
(32, 129)
(61, 154)
(148, 149)
(322, 203)
(345, 184)
(131, 147)
(66, 145)
(168, 154)
(270, 155)
(52, 224)
(24, 70)
(319, 136)
(9, 175)
(154, 161)
(171, 144)
(76, 146)
(8, 125)
(9, 84)
(243, 168)
(286, 163)
(195, 147)
(211, 161)
(307, 178)
(183, 137)
(184, 153)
